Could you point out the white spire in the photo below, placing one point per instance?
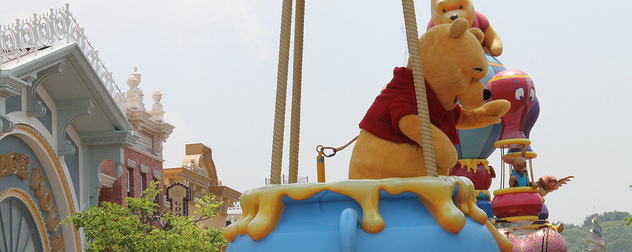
(134, 96)
(157, 113)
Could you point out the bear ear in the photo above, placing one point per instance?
(478, 33)
(458, 27)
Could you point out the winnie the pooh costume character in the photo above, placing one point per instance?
(446, 11)
(389, 144)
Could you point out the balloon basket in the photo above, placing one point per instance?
(516, 207)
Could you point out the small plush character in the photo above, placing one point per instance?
(389, 144)
(549, 183)
(519, 175)
(446, 11)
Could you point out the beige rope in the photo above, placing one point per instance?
(279, 115)
(295, 120)
(420, 87)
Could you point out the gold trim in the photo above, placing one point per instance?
(61, 176)
(28, 201)
(506, 143)
(519, 189)
(527, 155)
(535, 226)
(521, 218)
(523, 76)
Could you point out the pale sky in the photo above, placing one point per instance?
(216, 62)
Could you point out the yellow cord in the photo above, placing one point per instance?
(279, 115)
(420, 87)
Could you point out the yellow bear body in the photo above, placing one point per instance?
(445, 11)
(453, 65)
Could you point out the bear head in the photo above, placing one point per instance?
(453, 63)
(446, 11)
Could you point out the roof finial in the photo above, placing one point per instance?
(134, 96)
(157, 112)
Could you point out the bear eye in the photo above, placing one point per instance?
(443, 10)
(532, 95)
(519, 94)
(461, 7)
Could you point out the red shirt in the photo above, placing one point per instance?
(397, 100)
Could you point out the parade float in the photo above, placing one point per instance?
(517, 208)
(398, 197)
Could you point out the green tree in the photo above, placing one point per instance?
(140, 227)
(628, 220)
(615, 232)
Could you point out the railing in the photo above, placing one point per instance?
(285, 180)
(50, 30)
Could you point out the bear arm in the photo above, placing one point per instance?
(492, 42)
(490, 113)
(445, 153)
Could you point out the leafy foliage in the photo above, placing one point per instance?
(615, 232)
(140, 227)
(628, 220)
(607, 216)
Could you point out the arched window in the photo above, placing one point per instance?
(18, 231)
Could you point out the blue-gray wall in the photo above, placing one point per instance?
(47, 118)
(13, 143)
(13, 103)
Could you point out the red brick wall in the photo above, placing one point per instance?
(107, 168)
(119, 190)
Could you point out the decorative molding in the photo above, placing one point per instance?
(25, 198)
(146, 154)
(46, 31)
(6, 125)
(141, 120)
(18, 163)
(118, 170)
(67, 111)
(34, 106)
(157, 173)
(107, 181)
(55, 160)
(100, 94)
(10, 86)
(144, 168)
(59, 170)
(124, 138)
(188, 175)
(131, 164)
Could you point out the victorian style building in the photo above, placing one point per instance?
(62, 117)
(70, 138)
(143, 160)
(199, 175)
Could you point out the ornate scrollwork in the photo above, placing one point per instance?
(48, 30)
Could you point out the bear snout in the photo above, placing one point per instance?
(487, 94)
(454, 17)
